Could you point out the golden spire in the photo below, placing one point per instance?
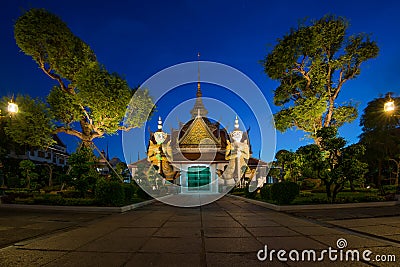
(198, 109)
(198, 94)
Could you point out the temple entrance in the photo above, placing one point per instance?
(199, 178)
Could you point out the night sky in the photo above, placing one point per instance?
(140, 38)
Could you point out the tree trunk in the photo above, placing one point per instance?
(352, 188)
(328, 116)
(378, 182)
(29, 180)
(86, 134)
(336, 190)
(328, 189)
(50, 175)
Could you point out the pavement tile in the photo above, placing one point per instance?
(172, 245)
(290, 242)
(232, 244)
(165, 259)
(291, 222)
(383, 256)
(20, 257)
(249, 222)
(237, 260)
(272, 231)
(185, 218)
(111, 243)
(191, 224)
(219, 222)
(69, 240)
(352, 241)
(328, 263)
(315, 230)
(378, 230)
(147, 222)
(225, 232)
(177, 232)
(83, 259)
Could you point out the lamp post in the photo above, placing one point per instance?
(390, 107)
(12, 108)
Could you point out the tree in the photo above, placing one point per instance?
(312, 63)
(87, 101)
(27, 168)
(380, 135)
(334, 163)
(284, 158)
(32, 126)
(122, 169)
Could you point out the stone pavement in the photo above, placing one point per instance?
(228, 232)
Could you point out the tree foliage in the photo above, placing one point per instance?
(32, 125)
(311, 64)
(27, 167)
(333, 163)
(88, 101)
(381, 136)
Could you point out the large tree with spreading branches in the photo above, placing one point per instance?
(86, 101)
(312, 63)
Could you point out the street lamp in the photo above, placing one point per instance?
(12, 108)
(389, 107)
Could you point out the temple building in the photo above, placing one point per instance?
(200, 155)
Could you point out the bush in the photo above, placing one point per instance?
(70, 194)
(284, 192)
(265, 192)
(249, 194)
(140, 193)
(109, 193)
(309, 184)
(129, 192)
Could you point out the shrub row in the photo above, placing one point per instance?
(282, 193)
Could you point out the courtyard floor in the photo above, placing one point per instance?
(228, 232)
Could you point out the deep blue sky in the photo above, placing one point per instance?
(139, 38)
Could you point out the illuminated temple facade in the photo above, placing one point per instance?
(201, 156)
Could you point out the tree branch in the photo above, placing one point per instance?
(70, 131)
(124, 128)
(54, 77)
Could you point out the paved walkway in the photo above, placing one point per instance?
(228, 232)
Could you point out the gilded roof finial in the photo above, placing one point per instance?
(159, 123)
(198, 94)
(236, 123)
(198, 106)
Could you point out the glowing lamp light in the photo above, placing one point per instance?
(12, 107)
(389, 106)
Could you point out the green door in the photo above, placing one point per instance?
(199, 178)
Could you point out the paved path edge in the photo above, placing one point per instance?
(317, 206)
(79, 208)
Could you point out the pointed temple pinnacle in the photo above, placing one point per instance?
(198, 109)
(159, 123)
(236, 123)
(198, 94)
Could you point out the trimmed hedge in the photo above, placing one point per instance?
(109, 193)
(265, 192)
(129, 192)
(284, 192)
